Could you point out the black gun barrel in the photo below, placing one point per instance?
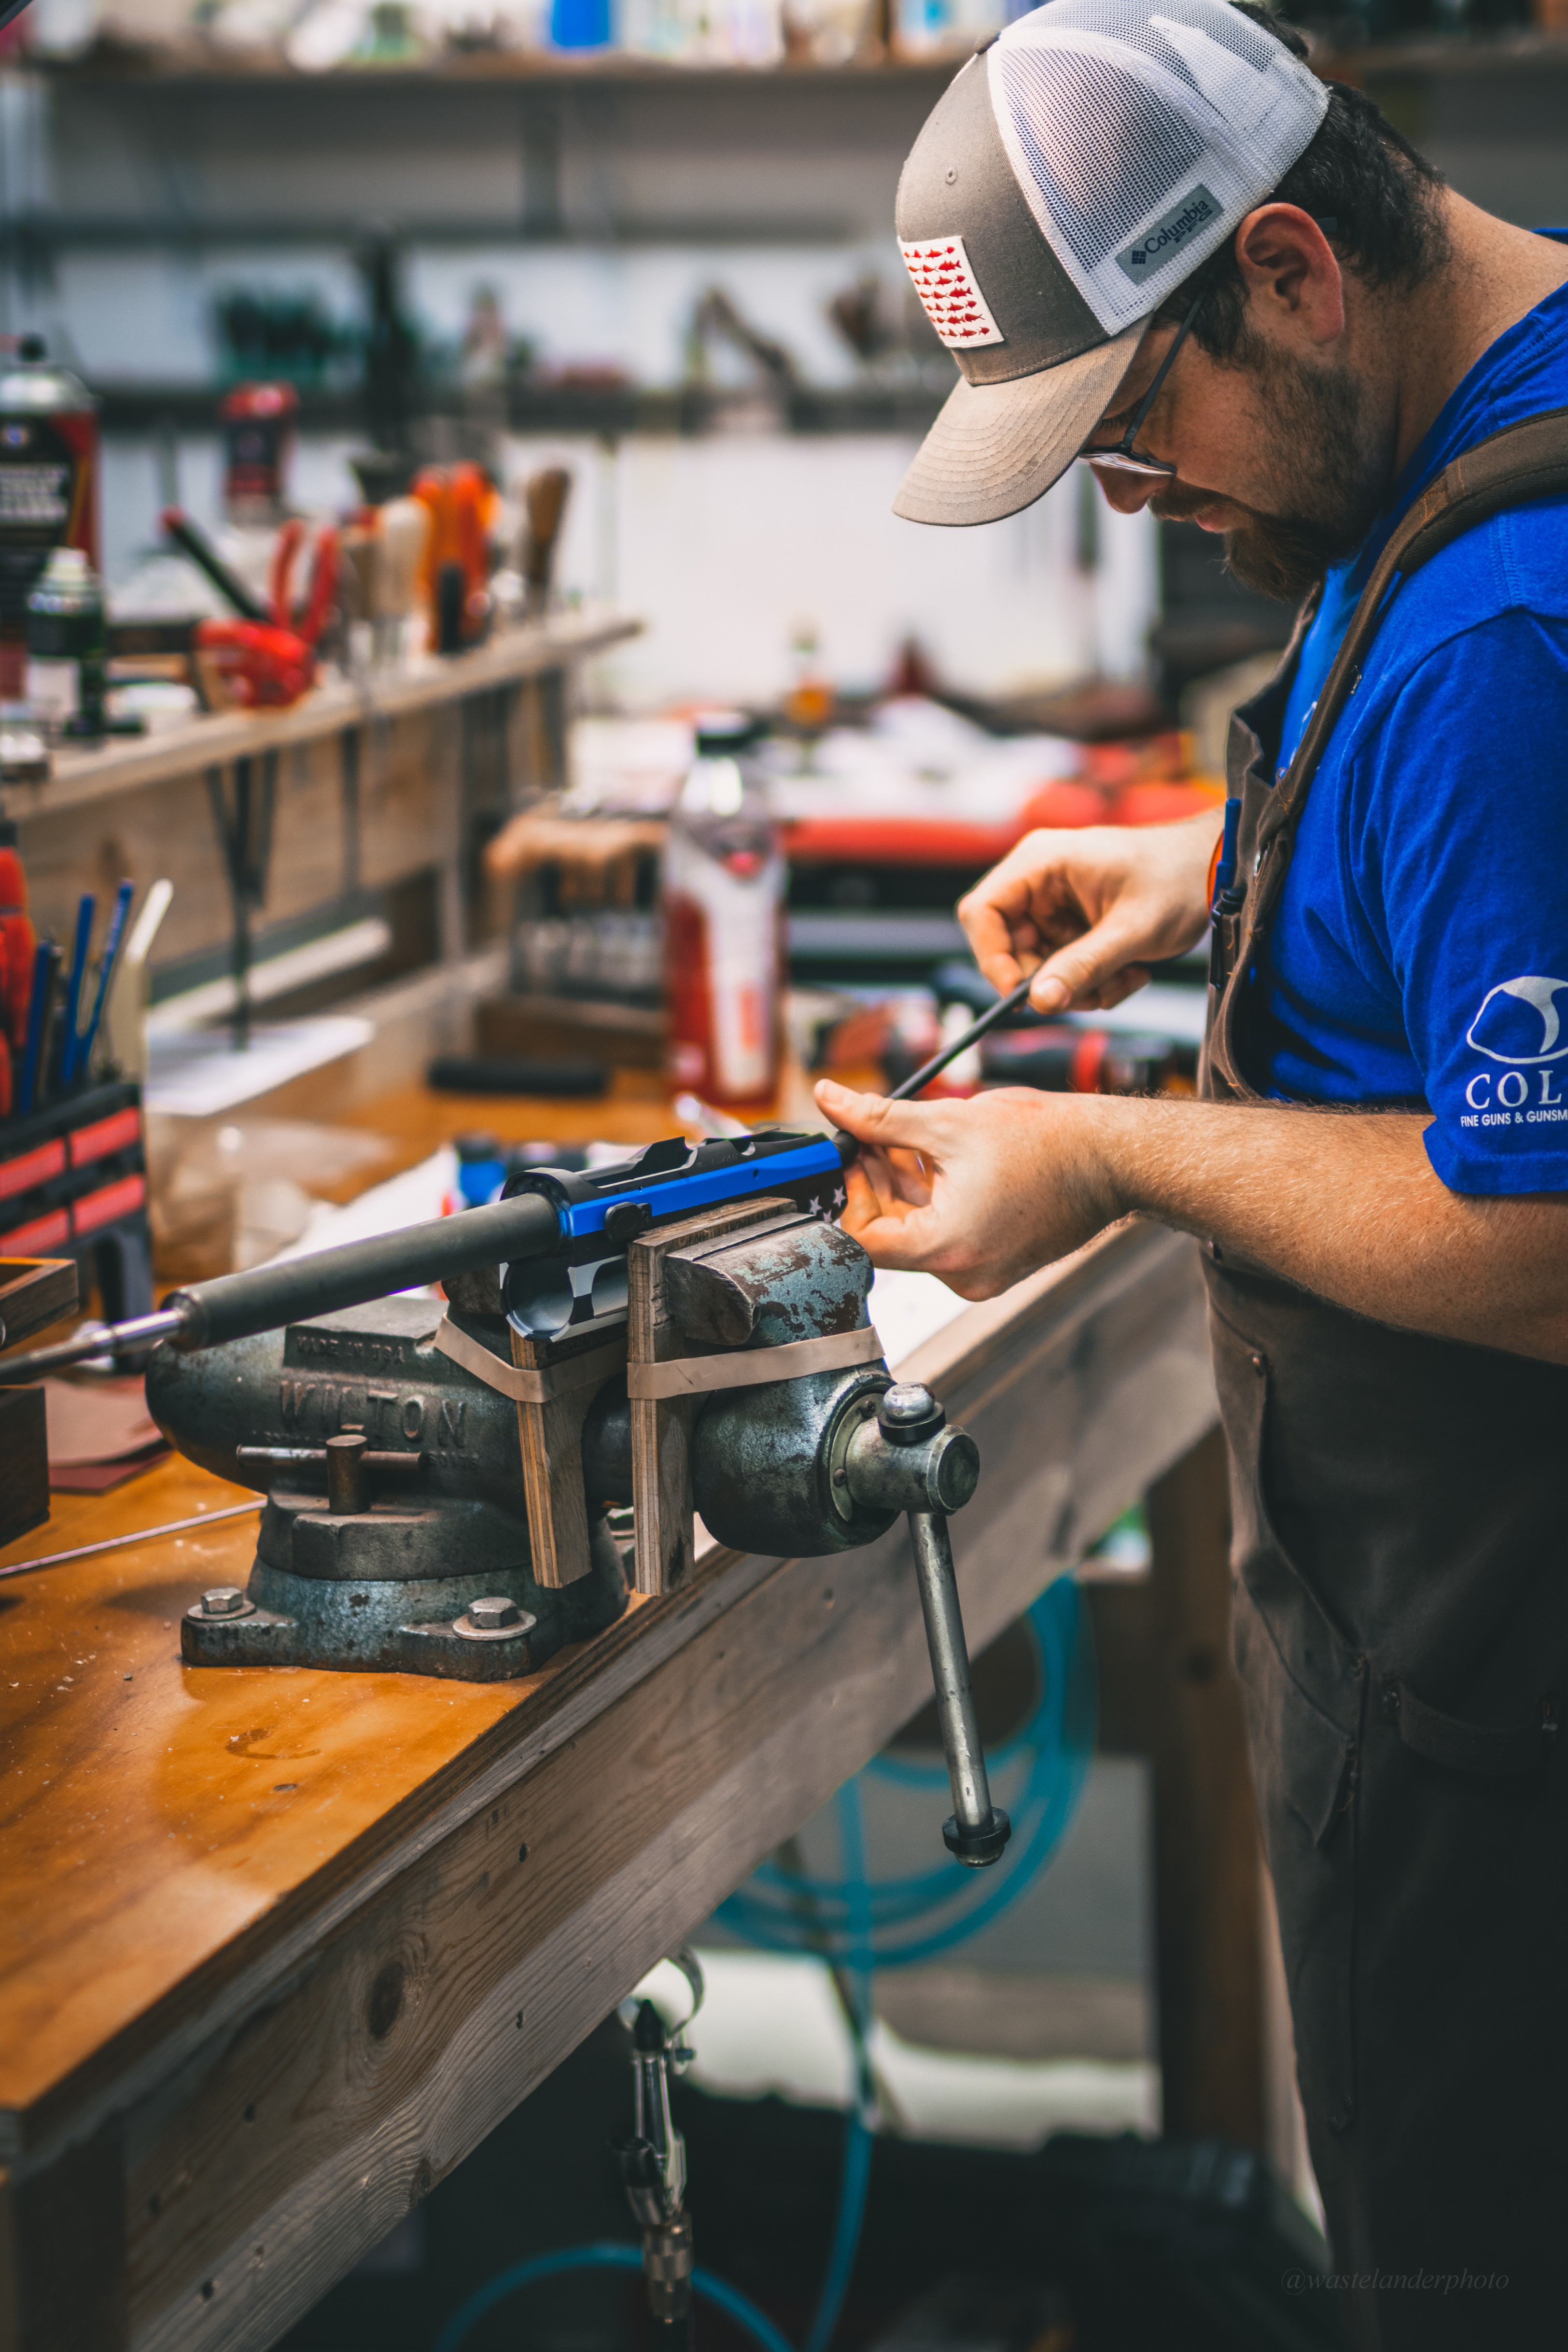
(234, 1305)
(237, 1306)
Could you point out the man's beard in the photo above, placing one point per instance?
(1334, 478)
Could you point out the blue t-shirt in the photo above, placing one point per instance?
(1420, 955)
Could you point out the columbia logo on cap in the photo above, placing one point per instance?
(1166, 238)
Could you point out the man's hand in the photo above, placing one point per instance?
(1087, 912)
(1346, 1204)
(979, 1192)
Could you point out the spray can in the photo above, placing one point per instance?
(68, 645)
(257, 436)
(48, 487)
(724, 906)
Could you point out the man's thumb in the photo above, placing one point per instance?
(872, 1118)
(1086, 964)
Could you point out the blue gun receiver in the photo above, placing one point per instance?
(582, 1286)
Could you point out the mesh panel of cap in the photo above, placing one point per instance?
(1140, 136)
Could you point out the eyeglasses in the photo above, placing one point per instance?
(1125, 458)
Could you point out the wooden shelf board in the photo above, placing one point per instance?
(81, 777)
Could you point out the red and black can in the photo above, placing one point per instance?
(257, 433)
(48, 485)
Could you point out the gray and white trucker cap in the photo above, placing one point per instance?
(1072, 175)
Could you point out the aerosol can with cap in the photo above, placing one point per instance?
(724, 907)
(68, 645)
(48, 485)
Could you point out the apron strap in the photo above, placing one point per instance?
(1523, 462)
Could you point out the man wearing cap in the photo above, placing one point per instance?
(1155, 240)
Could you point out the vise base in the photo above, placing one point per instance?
(416, 1621)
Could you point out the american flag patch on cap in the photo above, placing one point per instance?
(950, 292)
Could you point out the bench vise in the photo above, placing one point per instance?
(686, 1331)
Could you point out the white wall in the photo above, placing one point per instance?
(728, 545)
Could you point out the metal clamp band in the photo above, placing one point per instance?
(751, 1368)
(521, 1382)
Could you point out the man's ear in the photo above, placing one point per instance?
(1290, 273)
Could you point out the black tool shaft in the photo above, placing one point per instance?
(971, 1036)
(847, 1144)
(205, 557)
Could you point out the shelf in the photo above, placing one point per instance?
(44, 233)
(195, 64)
(200, 64)
(215, 739)
(608, 414)
(1517, 50)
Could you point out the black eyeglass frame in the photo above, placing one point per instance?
(1124, 458)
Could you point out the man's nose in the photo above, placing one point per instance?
(1129, 493)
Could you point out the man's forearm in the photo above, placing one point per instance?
(1348, 1205)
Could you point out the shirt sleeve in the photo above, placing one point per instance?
(1462, 863)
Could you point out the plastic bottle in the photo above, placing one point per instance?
(68, 644)
(723, 903)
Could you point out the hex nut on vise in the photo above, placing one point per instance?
(222, 1600)
(902, 1464)
(494, 1617)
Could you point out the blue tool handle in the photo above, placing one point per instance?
(1225, 872)
(68, 1042)
(123, 899)
(815, 1156)
(45, 957)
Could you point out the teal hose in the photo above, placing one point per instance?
(859, 2141)
(918, 1917)
(605, 2256)
(863, 1920)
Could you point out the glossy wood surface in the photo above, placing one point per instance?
(151, 1812)
(299, 1941)
(154, 1810)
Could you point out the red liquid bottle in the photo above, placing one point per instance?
(723, 908)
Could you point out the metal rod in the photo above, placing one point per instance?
(849, 1145)
(97, 1339)
(950, 1670)
(971, 1036)
(136, 1536)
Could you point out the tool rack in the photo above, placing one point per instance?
(73, 1182)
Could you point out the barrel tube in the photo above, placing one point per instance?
(237, 1306)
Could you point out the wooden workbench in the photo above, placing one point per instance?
(279, 1948)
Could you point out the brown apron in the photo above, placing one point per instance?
(1400, 1625)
